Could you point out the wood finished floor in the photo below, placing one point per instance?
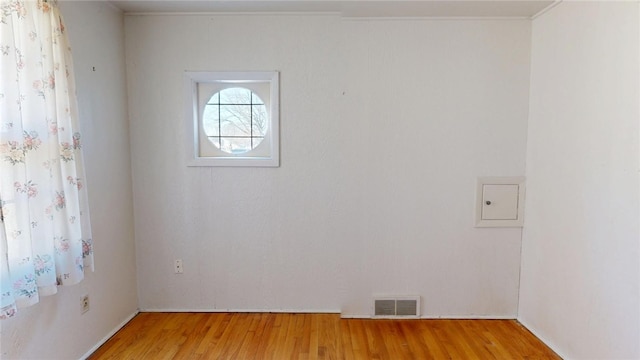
(317, 336)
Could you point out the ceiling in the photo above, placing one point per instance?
(354, 8)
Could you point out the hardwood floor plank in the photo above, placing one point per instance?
(472, 335)
(226, 337)
(212, 331)
(194, 331)
(313, 337)
(317, 336)
(411, 330)
(446, 335)
(264, 336)
(389, 334)
(342, 341)
(279, 341)
(329, 341)
(375, 342)
(429, 337)
(251, 342)
(358, 340)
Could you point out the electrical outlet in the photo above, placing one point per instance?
(177, 265)
(84, 303)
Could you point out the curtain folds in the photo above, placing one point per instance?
(45, 235)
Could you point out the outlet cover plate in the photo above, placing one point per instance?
(178, 269)
(84, 303)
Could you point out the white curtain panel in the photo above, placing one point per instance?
(45, 235)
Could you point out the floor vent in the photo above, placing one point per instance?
(396, 307)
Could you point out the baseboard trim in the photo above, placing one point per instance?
(347, 316)
(469, 317)
(327, 311)
(109, 335)
(292, 311)
(436, 317)
(535, 333)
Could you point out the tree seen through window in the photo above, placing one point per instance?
(235, 120)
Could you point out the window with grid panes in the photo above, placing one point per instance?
(233, 118)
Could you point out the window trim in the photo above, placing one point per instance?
(193, 79)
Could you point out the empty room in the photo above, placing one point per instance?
(355, 165)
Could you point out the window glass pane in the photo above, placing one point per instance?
(210, 120)
(259, 120)
(234, 121)
(236, 145)
(235, 96)
(255, 99)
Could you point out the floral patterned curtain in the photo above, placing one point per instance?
(45, 236)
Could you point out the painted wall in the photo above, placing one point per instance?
(385, 126)
(580, 285)
(54, 328)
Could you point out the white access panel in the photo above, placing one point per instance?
(500, 202)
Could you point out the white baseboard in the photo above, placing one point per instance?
(326, 311)
(348, 316)
(292, 311)
(442, 317)
(469, 317)
(551, 345)
(109, 335)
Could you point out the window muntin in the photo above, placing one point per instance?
(235, 120)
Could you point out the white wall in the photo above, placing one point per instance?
(580, 286)
(54, 328)
(385, 126)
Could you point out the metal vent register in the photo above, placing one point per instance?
(396, 307)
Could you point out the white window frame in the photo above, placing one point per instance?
(269, 154)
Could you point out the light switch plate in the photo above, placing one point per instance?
(500, 202)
